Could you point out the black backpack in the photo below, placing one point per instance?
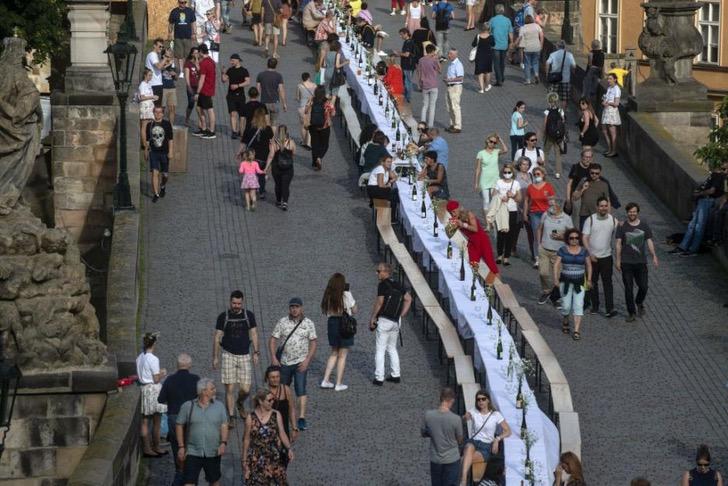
(442, 18)
(392, 301)
(318, 115)
(555, 126)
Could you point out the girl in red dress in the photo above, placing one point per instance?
(479, 246)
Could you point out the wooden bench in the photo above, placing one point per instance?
(381, 203)
(464, 369)
(570, 432)
(525, 322)
(505, 294)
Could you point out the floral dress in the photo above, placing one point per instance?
(264, 461)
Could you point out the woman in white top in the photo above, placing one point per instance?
(610, 115)
(303, 94)
(150, 376)
(146, 100)
(382, 182)
(484, 419)
(336, 301)
(509, 191)
(415, 11)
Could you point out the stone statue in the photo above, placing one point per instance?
(45, 311)
(20, 123)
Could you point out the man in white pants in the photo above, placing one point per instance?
(392, 304)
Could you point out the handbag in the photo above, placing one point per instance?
(556, 77)
(277, 18)
(347, 326)
(338, 78)
(473, 53)
(279, 351)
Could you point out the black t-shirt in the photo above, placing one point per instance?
(237, 75)
(249, 110)
(261, 143)
(269, 81)
(577, 174)
(236, 335)
(715, 180)
(367, 35)
(158, 135)
(393, 294)
(182, 18)
(408, 63)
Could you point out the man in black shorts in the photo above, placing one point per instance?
(158, 150)
(238, 78)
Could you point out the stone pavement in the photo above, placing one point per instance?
(647, 393)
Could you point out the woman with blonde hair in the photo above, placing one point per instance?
(571, 465)
(336, 301)
(257, 137)
(486, 167)
(146, 101)
(262, 455)
(280, 162)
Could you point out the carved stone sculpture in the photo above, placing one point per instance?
(20, 117)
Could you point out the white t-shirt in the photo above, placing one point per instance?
(531, 154)
(147, 366)
(490, 419)
(152, 59)
(201, 8)
(145, 89)
(375, 172)
(613, 92)
(601, 234)
(503, 186)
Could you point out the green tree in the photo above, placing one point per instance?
(716, 150)
(42, 23)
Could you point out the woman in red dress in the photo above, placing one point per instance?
(479, 246)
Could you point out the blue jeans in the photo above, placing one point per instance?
(226, 11)
(534, 219)
(172, 438)
(531, 64)
(409, 86)
(445, 474)
(694, 235)
(290, 373)
(499, 64)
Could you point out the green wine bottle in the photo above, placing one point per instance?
(423, 208)
(449, 250)
(499, 349)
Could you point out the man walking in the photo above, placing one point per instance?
(599, 230)
(202, 434)
(502, 30)
(205, 93)
(238, 78)
(292, 346)
(454, 81)
(590, 191)
(443, 13)
(392, 304)
(176, 390)
(272, 91)
(632, 237)
(271, 12)
(158, 150)
(182, 30)
(562, 61)
(407, 62)
(445, 430)
(235, 330)
(429, 70)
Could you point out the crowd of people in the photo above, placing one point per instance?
(574, 243)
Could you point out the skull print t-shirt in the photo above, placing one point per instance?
(159, 134)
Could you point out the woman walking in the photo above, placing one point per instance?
(304, 93)
(484, 43)
(470, 10)
(257, 138)
(334, 60)
(569, 463)
(150, 376)
(572, 270)
(550, 237)
(146, 102)
(284, 402)
(264, 434)
(509, 192)
(486, 167)
(280, 163)
(518, 128)
(336, 302)
(420, 36)
(415, 12)
(610, 115)
(484, 419)
(530, 39)
(588, 122)
(524, 179)
(320, 112)
(536, 204)
(702, 474)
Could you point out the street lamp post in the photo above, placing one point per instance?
(9, 379)
(122, 57)
(567, 31)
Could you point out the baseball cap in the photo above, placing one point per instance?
(236, 56)
(295, 301)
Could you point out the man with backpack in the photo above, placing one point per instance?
(530, 150)
(554, 131)
(235, 331)
(560, 65)
(443, 13)
(392, 304)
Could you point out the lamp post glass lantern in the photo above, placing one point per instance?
(122, 59)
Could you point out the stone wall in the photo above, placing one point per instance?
(84, 164)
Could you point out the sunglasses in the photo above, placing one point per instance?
(509, 172)
(270, 400)
(481, 399)
(532, 139)
(575, 238)
(492, 141)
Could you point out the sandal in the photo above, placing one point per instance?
(565, 326)
(576, 336)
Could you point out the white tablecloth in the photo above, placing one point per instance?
(470, 317)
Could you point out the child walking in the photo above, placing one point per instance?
(249, 169)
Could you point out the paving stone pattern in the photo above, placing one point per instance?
(647, 392)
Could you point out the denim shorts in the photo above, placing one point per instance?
(290, 373)
(482, 447)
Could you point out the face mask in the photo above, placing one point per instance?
(507, 176)
(538, 179)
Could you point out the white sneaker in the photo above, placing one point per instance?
(394, 12)
(402, 12)
(488, 87)
(327, 384)
(340, 387)
(182, 75)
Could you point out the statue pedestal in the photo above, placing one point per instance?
(654, 95)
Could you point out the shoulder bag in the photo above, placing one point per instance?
(338, 78)
(556, 77)
(347, 325)
(279, 351)
(277, 16)
(284, 159)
